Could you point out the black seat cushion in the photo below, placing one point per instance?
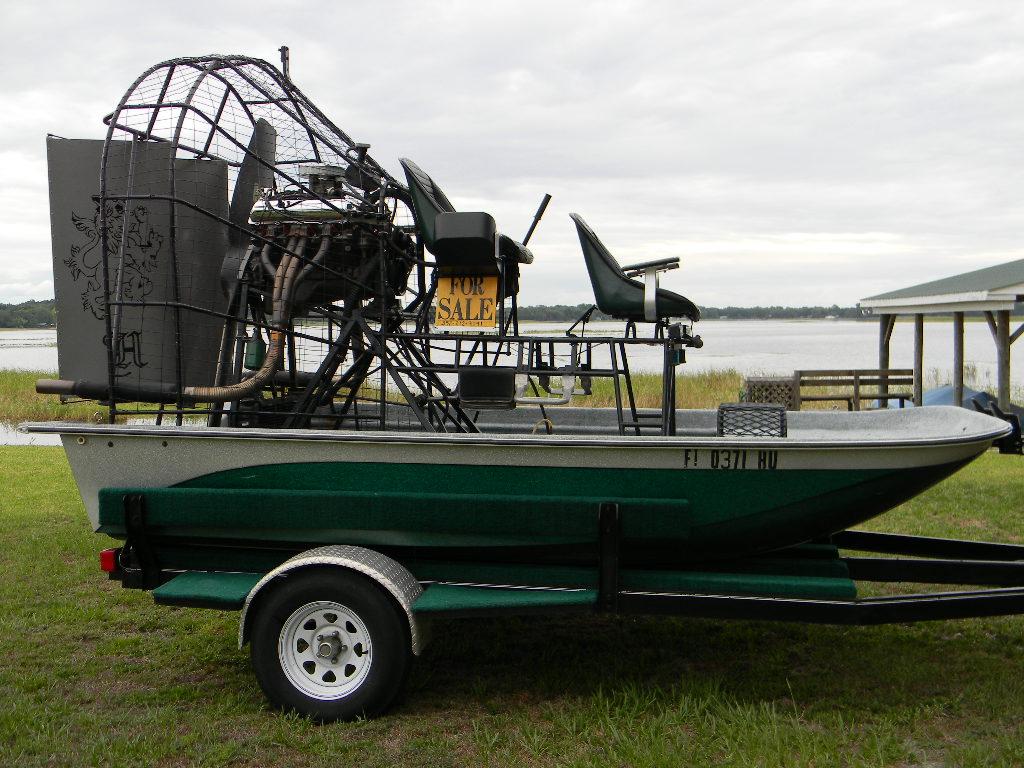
(428, 200)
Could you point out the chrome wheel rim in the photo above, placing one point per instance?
(324, 650)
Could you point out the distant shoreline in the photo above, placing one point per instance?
(863, 319)
(41, 315)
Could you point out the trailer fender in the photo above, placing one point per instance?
(391, 575)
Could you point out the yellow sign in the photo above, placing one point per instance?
(467, 301)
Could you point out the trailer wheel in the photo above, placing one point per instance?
(331, 645)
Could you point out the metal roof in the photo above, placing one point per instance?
(997, 287)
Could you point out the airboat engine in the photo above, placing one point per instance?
(222, 211)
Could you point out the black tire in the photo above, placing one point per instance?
(390, 652)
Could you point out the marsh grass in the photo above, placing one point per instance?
(20, 402)
(93, 674)
(703, 389)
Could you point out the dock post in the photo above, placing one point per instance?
(918, 359)
(1003, 357)
(958, 358)
(885, 326)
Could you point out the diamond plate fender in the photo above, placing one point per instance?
(392, 576)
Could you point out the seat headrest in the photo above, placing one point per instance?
(417, 177)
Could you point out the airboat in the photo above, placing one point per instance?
(322, 411)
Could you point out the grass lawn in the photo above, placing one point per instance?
(92, 674)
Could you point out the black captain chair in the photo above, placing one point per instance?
(469, 244)
(619, 295)
(429, 203)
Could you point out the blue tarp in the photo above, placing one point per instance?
(944, 396)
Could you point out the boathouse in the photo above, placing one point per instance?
(996, 292)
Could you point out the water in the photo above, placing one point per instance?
(31, 350)
(753, 347)
(782, 346)
(10, 436)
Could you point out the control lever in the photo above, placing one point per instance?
(536, 218)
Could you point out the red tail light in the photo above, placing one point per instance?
(108, 560)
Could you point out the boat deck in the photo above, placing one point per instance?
(912, 426)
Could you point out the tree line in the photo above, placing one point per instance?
(28, 314)
(563, 313)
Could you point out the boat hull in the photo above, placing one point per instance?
(229, 496)
(497, 513)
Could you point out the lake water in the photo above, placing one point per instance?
(752, 347)
(9, 436)
(33, 350)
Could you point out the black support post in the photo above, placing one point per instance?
(144, 571)
(609, 527)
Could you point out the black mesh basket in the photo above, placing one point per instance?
(751, 420)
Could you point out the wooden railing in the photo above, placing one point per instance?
(854, 386)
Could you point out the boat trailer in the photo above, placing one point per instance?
(997, 569)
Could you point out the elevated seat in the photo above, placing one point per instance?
(461, 242)
(623, 298)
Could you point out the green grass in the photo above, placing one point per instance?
(93, 674)
(20, 402)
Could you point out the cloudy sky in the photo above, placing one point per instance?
(791, 153)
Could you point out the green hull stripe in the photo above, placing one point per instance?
(390, 518)
(708, 514)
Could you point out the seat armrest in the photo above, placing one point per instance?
(659, 265)
(513, 249)
(650, 270)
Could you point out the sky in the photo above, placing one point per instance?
(790, 153)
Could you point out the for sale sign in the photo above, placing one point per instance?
(468, 301)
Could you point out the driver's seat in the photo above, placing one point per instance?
(428, 202)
